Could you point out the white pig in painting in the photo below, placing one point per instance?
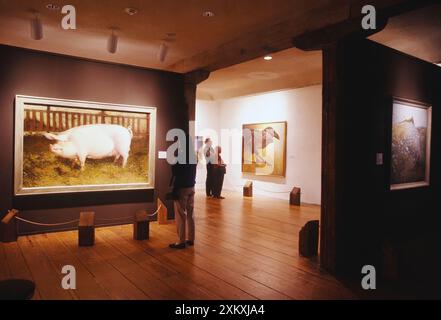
(93, 141)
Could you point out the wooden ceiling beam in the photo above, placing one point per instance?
(338, 15)
(320, 38)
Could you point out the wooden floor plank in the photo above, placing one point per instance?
(200, 276)
(198, 282)
(4, 269)
(47, 278)
(114, 283)
(245, 248)
(228, 275)
(17, 265)
(141, 275)
(246, 262)
(86, 287)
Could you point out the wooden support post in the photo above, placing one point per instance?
(308, 239)
(141, 226)
(162, 212)
(248, 189)
(86, 229)
(8, 227)
(294, 196)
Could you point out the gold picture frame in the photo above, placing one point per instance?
(39, 119)
(263, 162)
(410, 144)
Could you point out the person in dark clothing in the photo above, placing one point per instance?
(219, 170)
(183, 181)
(209, 158)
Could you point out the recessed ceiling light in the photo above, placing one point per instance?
(52, 6)
(131, 11)
(208, 14)
(268, 58)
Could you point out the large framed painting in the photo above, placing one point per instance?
(410, 152)
(264, 149)
(64, 146)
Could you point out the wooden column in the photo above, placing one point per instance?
(191, 80)
(141, 226)
(8, 227)
(86, 229)
(331, 132)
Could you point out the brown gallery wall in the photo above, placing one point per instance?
(46, 75)
(368, 76)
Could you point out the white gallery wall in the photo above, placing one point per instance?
(302, 110)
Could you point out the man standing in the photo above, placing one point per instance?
(219, 170)
(184, 179)
(210, 159)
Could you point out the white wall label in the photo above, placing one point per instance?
(379, 160)
(162, 154)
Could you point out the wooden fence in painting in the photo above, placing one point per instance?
(57, 121)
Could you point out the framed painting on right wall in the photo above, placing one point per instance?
(411, 141)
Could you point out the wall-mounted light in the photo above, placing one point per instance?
(36, 28)
(268, 57)
(162, 53)
(112, 42)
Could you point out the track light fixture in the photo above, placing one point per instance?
(112, 42)
(36, 27)
(163, 49)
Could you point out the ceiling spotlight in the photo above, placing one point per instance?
(208, 14)
(268, 58)
(53, 6)
(163, 49)
(131, 11)
(36, 28)
(112, 42)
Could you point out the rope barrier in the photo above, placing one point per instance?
(262, 189)
(77, 220)
(156, 212)
(114, 219)
(257, 187)
(47, 224)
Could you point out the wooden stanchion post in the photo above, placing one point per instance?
(8, 227)
(308, 239)
(141, 226)
(86, 229)
(248, 189)
(294, 197)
